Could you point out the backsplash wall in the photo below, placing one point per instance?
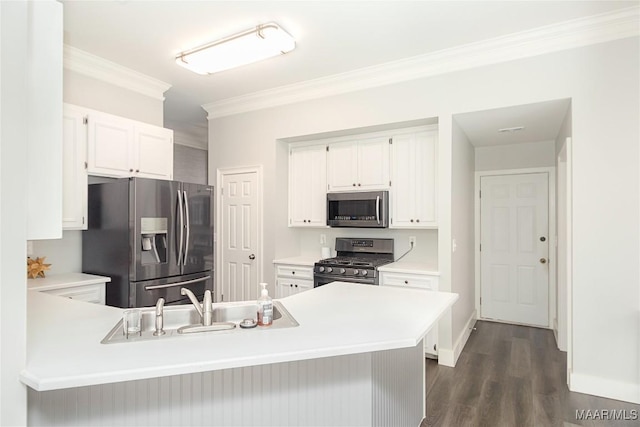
(424, 252)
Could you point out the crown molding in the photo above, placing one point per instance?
(99, 68)
(190, 141)
(570, 34)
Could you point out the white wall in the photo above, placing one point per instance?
(65, 255)
(516, 156)
(80, 89)
(602, 82)
(462, 231)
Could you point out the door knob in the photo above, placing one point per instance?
(543, 260)
(542, 239)
(252, 256)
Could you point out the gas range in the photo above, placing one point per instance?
(357, 261)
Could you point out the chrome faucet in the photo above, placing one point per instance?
(206, 311)
(159, 318)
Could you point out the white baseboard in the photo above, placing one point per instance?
(449, 357)
(596, 386)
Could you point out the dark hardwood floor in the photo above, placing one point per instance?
(510, 375)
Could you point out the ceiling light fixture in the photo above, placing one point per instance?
(513, 129)
(256, 44)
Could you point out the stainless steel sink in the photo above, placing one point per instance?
(225, 318)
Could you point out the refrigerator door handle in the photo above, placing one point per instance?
(173, 285)
(188, 227)
(180, 226)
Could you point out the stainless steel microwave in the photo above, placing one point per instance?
(362, 209)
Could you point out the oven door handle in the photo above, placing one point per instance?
(378, 209)
(172, 285)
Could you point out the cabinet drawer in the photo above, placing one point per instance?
(410, 280)
(295, 271)
(88, 293)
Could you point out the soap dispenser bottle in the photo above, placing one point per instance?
(265, 307)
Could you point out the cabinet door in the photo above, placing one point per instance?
(426, 144)
(74, 172)
(307, 186)
(109, 150)
(403, 182)
(342, 166)
(414, 175)
(153, 152)
(373, 164)
(283, 288)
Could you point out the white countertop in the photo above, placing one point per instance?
(303, 260)
(340, 318)
(65, 280)
(409, 267)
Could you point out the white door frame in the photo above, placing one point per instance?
(220, 174)
(551, 171)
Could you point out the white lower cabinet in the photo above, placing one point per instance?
(88, 293)
(76, 286)
(292, 279)
(420, 281)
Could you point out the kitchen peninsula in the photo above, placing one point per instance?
(355, 359)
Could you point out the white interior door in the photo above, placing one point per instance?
(240, 239)
(514, 268)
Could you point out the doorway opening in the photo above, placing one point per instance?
(518, 142)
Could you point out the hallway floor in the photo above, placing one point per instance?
(509, 375)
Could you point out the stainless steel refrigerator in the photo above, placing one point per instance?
(152, 237)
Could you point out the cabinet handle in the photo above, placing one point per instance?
(296, 286)
(417, 220)
(411, 220)
(130, 170)
(290, 285)
(354, 184)
(406, 282)
(137, 170)
(293, 272)
(304, 220)
(358, 184)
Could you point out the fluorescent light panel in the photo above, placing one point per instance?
(253, 45)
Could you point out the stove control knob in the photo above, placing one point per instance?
(355, 272)
(329, 269)
(342, 271)
(320, 269)
(365, 272)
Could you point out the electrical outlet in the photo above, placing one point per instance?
(412, 241)
(323, 239)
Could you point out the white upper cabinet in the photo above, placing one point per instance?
(43, 93)
(414, 180)
(110, 145)
(74, 171)
(307, 186)
(153, 154)
(358, 165)
(120, 147)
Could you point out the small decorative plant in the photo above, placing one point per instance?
(36, 267)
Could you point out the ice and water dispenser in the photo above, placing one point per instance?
(154, 240)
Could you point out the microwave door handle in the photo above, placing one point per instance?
(188, 221)
(378, 209)
(180, 226)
